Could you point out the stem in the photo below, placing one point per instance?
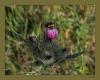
(25, 30)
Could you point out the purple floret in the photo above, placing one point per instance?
(51, 33)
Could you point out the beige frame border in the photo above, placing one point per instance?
(51, 77)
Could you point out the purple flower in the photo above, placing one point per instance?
(51, 33)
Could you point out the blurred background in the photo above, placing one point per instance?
(76, 32)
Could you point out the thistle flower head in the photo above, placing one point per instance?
(51, 33)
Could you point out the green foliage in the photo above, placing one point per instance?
(76, 25)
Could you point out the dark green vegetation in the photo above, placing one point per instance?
(25, 48)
